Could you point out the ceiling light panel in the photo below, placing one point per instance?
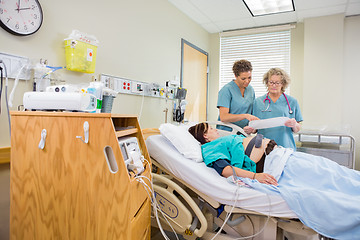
(265, 7)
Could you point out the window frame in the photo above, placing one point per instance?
(263, 47)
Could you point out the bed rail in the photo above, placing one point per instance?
(337, 147)
(233, 129)
(165, 196)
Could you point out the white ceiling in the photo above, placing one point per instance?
(223, 15)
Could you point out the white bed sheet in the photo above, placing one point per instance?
(209, 182)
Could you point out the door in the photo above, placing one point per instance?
(194, 77)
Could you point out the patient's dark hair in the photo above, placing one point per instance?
(198, 131)
(260, 164)
(270, 146)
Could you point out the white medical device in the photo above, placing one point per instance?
(68, 101)
(131, 152)
(62, 88)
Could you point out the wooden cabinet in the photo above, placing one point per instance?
(66, 190)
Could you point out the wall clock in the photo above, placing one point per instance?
(21, 17)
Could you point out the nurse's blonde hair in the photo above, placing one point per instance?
(285, 79)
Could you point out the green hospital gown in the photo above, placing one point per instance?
(229, 148)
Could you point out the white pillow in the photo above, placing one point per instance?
(182, 140)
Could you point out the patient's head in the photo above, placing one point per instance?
(203, 132)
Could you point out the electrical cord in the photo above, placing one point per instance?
(1, 86)
(152, 197)
(6, 91)
(232, 209)
(253, 226)
(155, 206)
(142, 104)
(12, 93)
(151, 193)
(7, 108)
(150, 190)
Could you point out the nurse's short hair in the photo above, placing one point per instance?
(241, 66)
(198, 131)
(285, 78)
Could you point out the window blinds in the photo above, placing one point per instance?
(263, 50)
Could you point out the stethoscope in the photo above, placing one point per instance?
(268, 99)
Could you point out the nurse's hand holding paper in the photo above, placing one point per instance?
(276, 104)
(269, 123)
(292, 123)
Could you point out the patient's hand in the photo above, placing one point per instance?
(249, 130)
(266, 178)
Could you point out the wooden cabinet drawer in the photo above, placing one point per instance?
(138, 194)
(140, 224)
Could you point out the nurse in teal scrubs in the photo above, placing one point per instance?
(276, 104)
(235, 99)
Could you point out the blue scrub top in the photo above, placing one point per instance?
(282, 135)
(230, 97)
(230, 148)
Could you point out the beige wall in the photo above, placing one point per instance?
(214, 76)
(297, 62)
(331, 59)
(323, 71)
(350, 81)
(139, 40)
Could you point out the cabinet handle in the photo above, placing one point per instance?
(42, 139)
(86, 133)
(110, 159)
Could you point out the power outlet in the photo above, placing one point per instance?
(14, 64)
(139, 88)
(108, 81)
(154, 90)
(122, 85)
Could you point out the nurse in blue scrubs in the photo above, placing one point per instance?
(235, 99)
(276, 104)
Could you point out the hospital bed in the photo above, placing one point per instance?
(196, 201)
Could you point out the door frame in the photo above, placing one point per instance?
(183, 42)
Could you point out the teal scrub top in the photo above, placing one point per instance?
(230, 148)
(230, 97)
(282, 135)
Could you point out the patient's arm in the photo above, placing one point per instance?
(261, 177)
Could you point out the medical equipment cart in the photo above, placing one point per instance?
(68, 179)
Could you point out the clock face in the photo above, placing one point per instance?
(20, 17)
